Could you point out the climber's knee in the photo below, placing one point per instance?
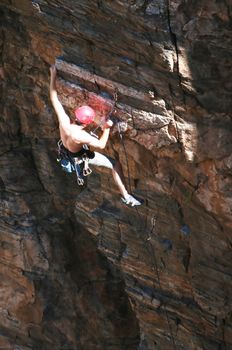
(117, 165)
(102, 160)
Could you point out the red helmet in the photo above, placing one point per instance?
(85, 114)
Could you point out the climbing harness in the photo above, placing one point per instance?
(78, 162)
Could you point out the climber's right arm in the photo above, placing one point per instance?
(60, 112)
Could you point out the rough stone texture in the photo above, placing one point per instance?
(78, 269)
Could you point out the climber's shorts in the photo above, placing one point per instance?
(102, 160)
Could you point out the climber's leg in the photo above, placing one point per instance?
(118, 176)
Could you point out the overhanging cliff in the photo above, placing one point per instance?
(78, 269)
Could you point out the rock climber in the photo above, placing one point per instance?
(74, 138)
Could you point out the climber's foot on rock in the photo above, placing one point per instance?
(131, 201)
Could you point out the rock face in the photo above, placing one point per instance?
(78, 269)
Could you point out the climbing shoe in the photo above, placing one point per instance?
(131, 201)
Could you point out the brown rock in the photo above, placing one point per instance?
(79, 270)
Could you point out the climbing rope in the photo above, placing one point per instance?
(148, 244)
(149, 247)
(151, 250)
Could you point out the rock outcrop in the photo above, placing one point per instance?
(78, 269)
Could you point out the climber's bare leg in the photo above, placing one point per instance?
(115, 166)
(119, 178)
(120, 182)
